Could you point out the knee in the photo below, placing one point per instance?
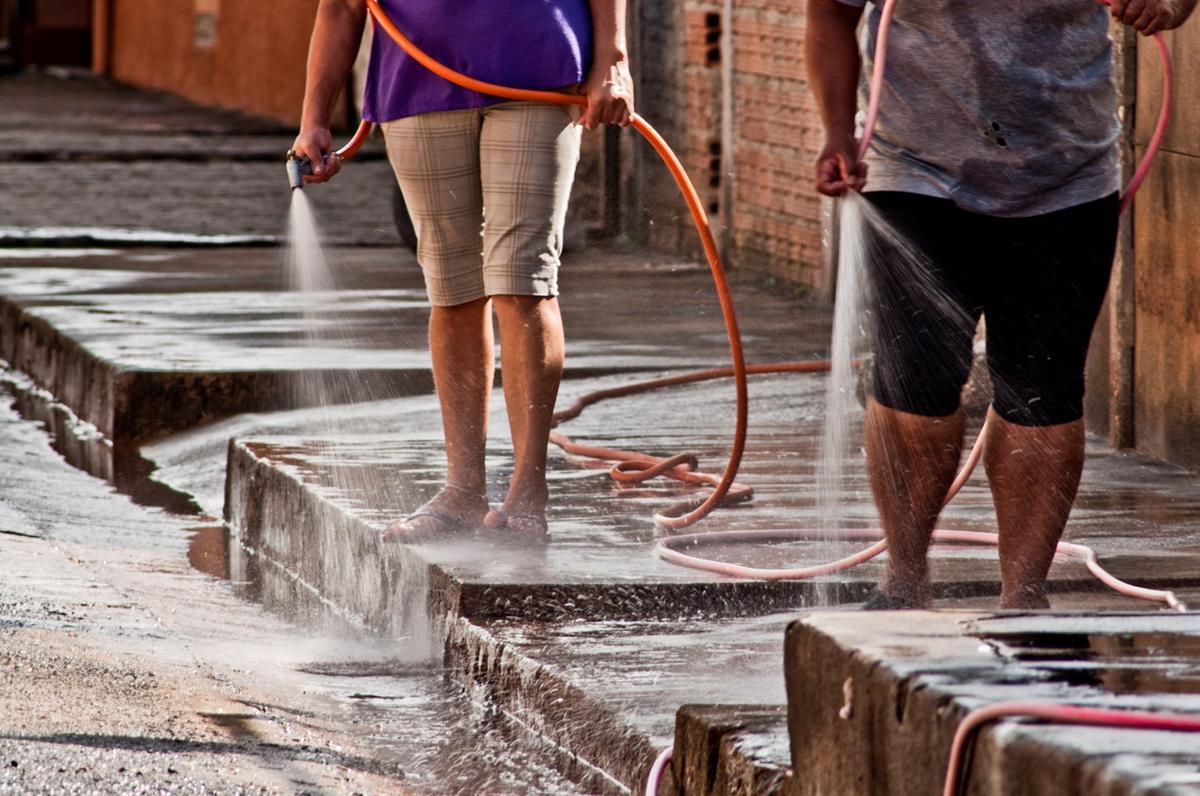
(462, 308)
(1034, 401)
(919, 387)
(523, 305)
(1038, 385)
(517, 302)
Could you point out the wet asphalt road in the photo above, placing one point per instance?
(123, 670)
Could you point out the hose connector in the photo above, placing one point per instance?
(297, 167)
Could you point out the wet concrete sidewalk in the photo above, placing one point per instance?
(469, 667)
(126, 668)
(590, 644)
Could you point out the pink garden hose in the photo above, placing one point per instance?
(1059, 714)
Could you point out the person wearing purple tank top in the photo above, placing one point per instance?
(486, 182)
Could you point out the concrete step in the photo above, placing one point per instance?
(730, 749)
(154, 342)
(874, 700)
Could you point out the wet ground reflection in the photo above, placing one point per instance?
(1119, 663)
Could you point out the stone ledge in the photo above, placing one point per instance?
(874, 701)
(724, 749)
(279, 491)
(129, 405)
(583, 727)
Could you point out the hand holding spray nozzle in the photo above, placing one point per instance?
(297, 167)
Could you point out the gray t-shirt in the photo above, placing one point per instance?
(1006, 108)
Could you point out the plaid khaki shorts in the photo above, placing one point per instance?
(487, 189)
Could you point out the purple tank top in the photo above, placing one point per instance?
(539, 44)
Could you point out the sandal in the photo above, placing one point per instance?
(429, 523)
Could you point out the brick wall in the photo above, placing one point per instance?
(239, 55)
(677, 63)
(775, 213)
(725, 84)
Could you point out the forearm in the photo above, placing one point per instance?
(609, 44)
(833, 62)
(609, 86)
(335, 40)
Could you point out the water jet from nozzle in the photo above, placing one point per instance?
(297, 167)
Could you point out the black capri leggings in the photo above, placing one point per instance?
(1038, 282)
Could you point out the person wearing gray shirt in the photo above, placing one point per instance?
(1017, 124)
(992, 179)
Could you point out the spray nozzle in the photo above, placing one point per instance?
(297, 167)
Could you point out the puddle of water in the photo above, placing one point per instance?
(446, 743)
(208, 551)
(1120, 663)
(82, 444)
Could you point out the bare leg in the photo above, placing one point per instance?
(1034, 474)
(531, 353)
(461, 346)
(912, 461)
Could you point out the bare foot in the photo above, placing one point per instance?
(526, 525)
(522, 515)
(880, 600)
(451, 512)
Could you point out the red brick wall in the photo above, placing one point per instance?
(255, 63)
(756, 182)
(679, 92)
(775, 215)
